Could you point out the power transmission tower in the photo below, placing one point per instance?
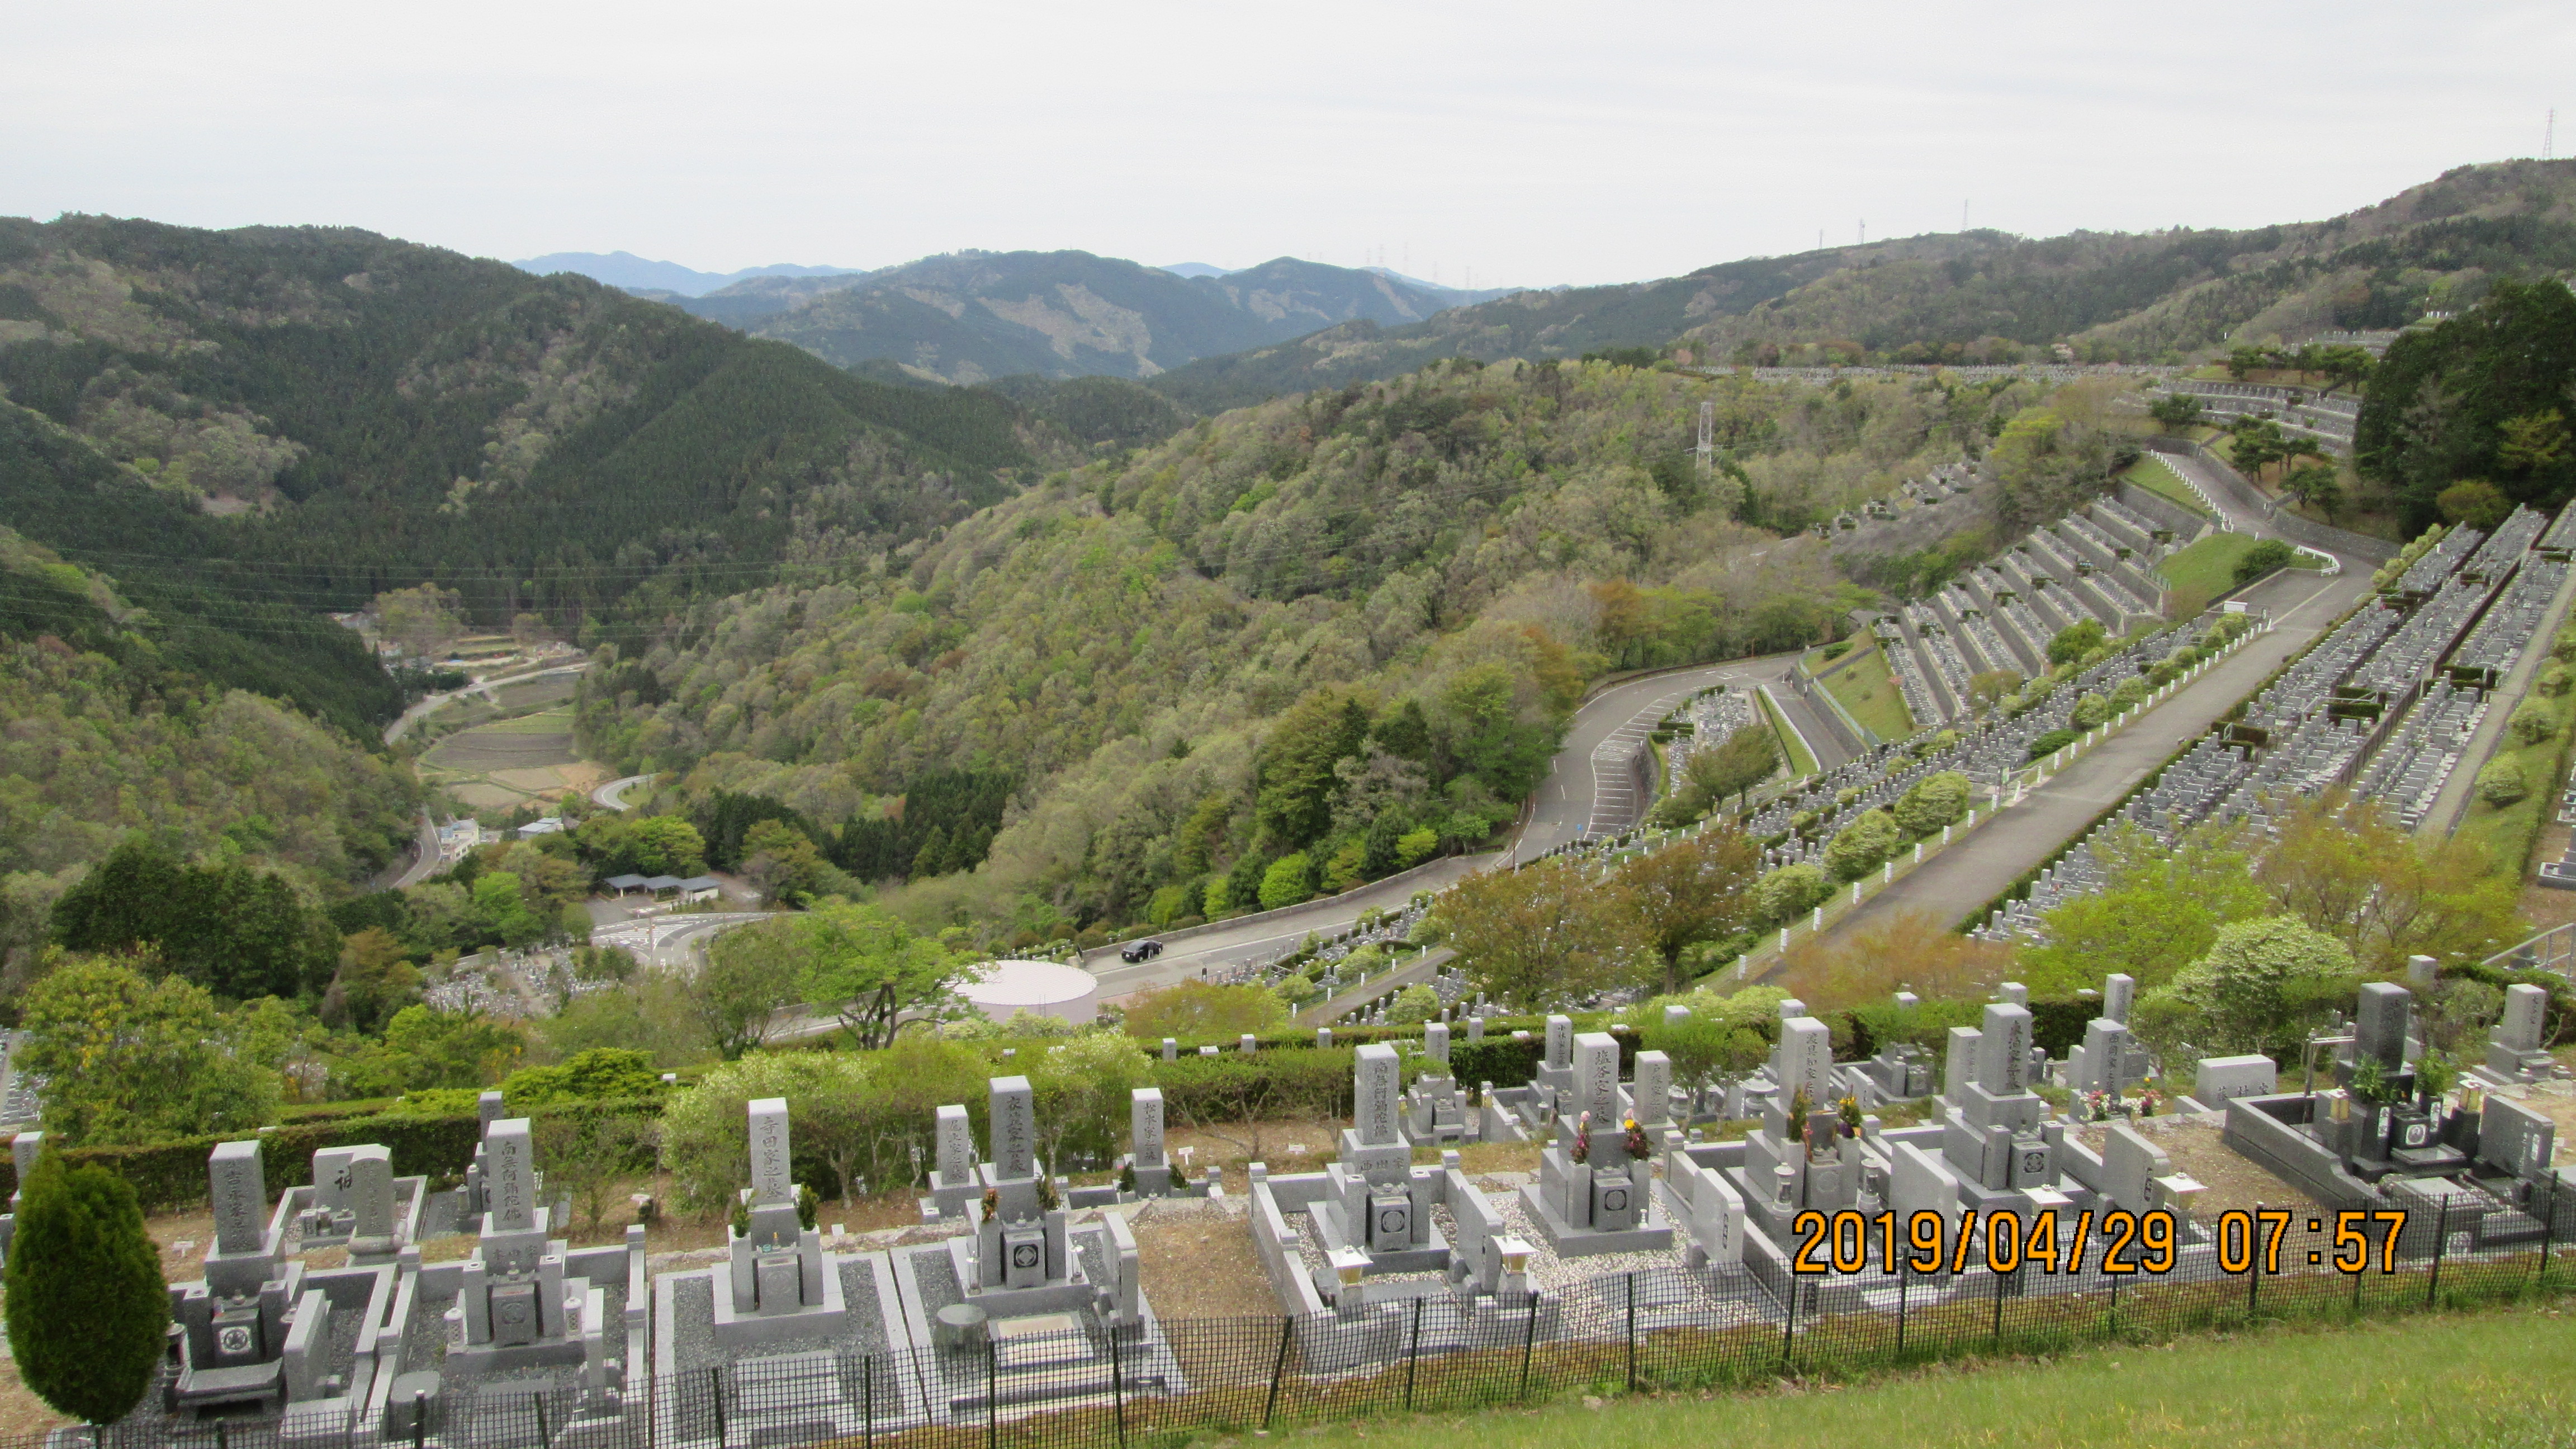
(1707, 449)
(2549, 137)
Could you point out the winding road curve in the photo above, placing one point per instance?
(1587, 791)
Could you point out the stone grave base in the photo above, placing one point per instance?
(1570, 1241)
(1431, 1257)
(746, 1330)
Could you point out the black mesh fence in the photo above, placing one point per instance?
(1669, 1328)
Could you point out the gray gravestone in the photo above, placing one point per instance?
(1652, 1096)
(2015, 994)
(1560, 1041)
(2519, 1028)
(1804, 1061)
(1375, 1081)
(2003, 1049)
(1596, 1076)
(1960, 1067)
(1014, 1118)
(510, 1180)
(771, 1179)
(2118, 991)
(2220, 1080)
(488, 1108)
(956, 1145)
(331, 1178)
(1171, 1049)
(2129, 1163)
(2379, 1027)
(1435, 1045)
(240, 1197)
(2514, 1137)
(371, 1192)
(1675, 1016)
(1475, 1028)
(1145, 1125)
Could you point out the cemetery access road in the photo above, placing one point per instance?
(1962, 879)
(1577, 797)
(1270, 934)
(1583, 793)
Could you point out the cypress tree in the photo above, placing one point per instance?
(87, 1305)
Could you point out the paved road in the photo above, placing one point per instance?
(612, 796)
(425, 859)
(669, 941)
(1272, 934)
(1962, 879)
(1588, 789)
(430, 704)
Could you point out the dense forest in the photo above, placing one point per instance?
(1340, 632)
(348, 413)
(2480, 401)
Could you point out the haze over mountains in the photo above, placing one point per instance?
(629, 272)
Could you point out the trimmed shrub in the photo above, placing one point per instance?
(2503, 783)
(1936, 800)
(2532, 723)
(1858, 847)
(2263, 558)
(1792, 890)
(2051, 742)
(87, 1303)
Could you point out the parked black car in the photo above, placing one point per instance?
(1140, 950)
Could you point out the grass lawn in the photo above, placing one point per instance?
(2158, 477)
(1802, 761)
(2503, 1378)
(1866, 689)
(2506, 835)
(2203, 571)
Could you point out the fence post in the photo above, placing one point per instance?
(868, 1400)
(1412, 1355)
(1278, 1369)
(1632, 1333)
(1999, 1310)
(1789, 1325)
(2548, 1235)
(715, 1381)
(1118, 1387)
(1529, 1342)
(2441, 1239)
(539, 1400)
(1901, 1276)
(992, 1392)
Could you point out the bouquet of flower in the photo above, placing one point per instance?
(1637, 1146)
(1583, 1138)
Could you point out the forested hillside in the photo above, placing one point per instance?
(2116, 296)
(971, 316)
(1339, 631)
(1533, 325)
(122, 715)
(352, 413)
(1985, 296)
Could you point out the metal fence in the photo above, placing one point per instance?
(1670, 1328)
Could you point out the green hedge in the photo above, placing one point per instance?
(1285, 1077)
(173, 1174)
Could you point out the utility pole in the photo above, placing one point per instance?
(1963, 216)
(2549, 137)
(1864, 231)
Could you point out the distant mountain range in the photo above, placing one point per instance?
(631, 273)
(968, 317)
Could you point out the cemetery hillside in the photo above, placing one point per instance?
(1027, 849)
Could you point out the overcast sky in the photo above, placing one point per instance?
(1528, 143)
